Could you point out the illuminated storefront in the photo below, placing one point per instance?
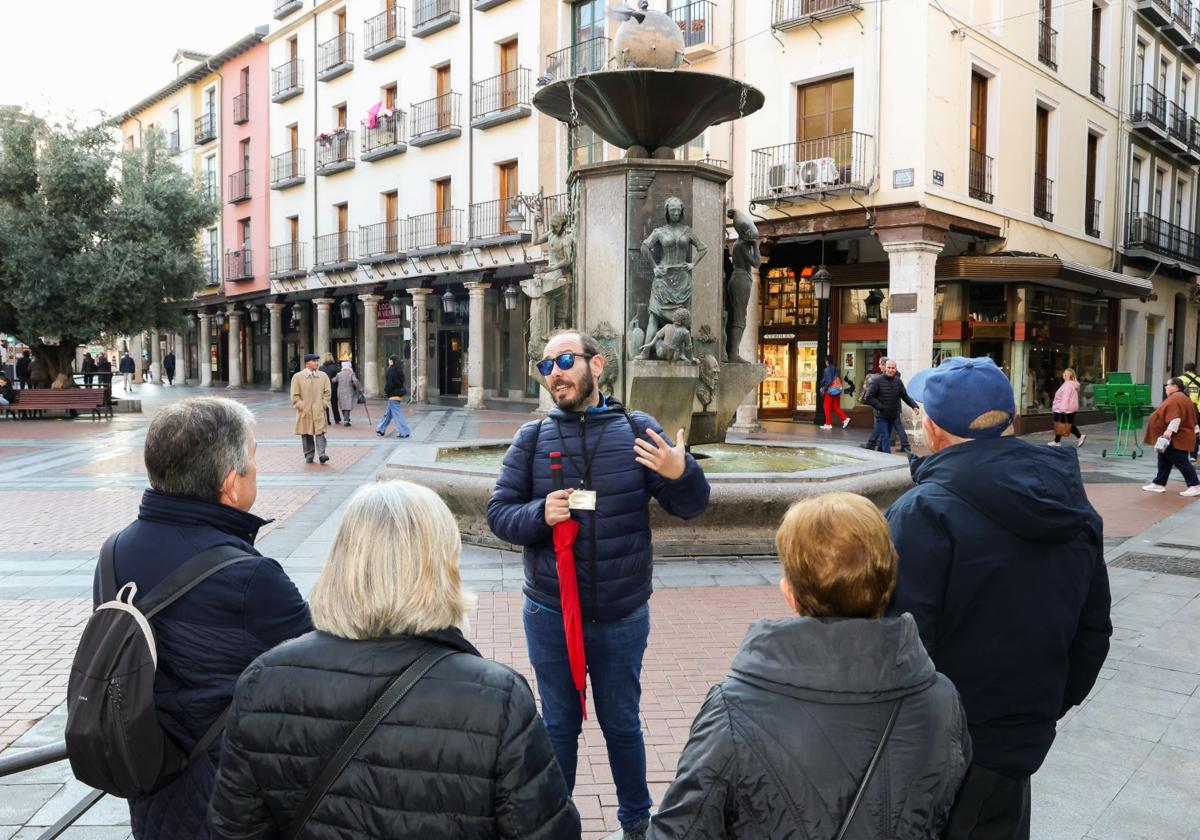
(788, 344)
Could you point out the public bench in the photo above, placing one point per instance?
(29, 400)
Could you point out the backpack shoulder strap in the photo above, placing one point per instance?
(632, 423)
(108, 569)
(862, 787)
(190, 575)
(390, 698)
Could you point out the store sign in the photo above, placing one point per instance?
(990, 331)
(387, 318)
(939, 178)
(778, 336)
(902, 178)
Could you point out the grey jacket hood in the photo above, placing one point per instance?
(835, 660)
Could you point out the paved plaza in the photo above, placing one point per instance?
(1125, 765)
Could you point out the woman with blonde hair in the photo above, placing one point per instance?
(1066, 403)
(831, 724)
(385, 721)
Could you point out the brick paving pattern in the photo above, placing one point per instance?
(37, 642)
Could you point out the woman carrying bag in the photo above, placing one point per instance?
(346, 388)
(831, 387)
(1066, 403)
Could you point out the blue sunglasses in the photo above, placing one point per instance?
(565, 361)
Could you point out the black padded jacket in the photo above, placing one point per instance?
(463, 755)
(885, 393)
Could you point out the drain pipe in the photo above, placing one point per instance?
(316, 181)
(876, 175)
(470, 89)
(220, 158)
(732, 75)
(1122, 153)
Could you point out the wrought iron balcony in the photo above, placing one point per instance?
(1181, 128)
(173, 142)
(430, 16)
(788, 14)
(385, 33)
(241, 108)
(335, 152)
(1097, 80)
(287, 169)
(287, 80)
(385, 139)
(813, 168)
(334, 251)
(383, 241)
(979, 176)
(1091, 216)
(335, 57)
(239, 265)
(210, 265)
(1157, 12)
(489, 224)
(557, 203)
(437, 231)
(1148, 112)
(1179, 28)
(501, 99)
(484, 5)
(283, 8)
(239, 186)
(695, 21)
(1047, 45)
(287, 260)
(435, 120)
(582, 58)
(206, 128)
(1043, 197)
(1152, 237)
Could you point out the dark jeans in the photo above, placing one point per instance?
(990, 806)
(1067, 417)
(1178, 459)
(614, 662)
(897, 430)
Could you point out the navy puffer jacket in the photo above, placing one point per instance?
(613, 556)
(205, 639)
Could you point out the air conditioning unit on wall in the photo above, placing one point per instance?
(818, 172)
(781, 178)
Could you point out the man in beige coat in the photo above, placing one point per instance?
(311, 395)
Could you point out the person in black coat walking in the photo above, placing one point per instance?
(104, 370)
(462, 755)
(22, 371)
(884, 393)
(781, 746)
(127, 368)
(331, 368)
(88, 368)
(169, 367)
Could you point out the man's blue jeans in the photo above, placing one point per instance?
(883, 429)
(614, 660)
(395, 411)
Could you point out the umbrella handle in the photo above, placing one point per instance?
(556, 475)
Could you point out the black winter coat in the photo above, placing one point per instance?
(1002, 565)
(126, 365)
(464, 755)
(780, 747)
(393, 382)
(885, 393)
(23, 364)
(613, 555)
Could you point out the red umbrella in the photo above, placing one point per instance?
(568, 588)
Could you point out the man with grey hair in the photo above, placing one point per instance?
(199, 456)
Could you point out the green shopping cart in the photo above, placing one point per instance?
(1128, 403)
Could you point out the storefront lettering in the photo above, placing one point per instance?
(387, 319)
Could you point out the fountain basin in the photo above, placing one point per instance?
(752, 487)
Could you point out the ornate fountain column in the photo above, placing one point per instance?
(476, 344)
(370, 344)
(419, 362)
(276, 315)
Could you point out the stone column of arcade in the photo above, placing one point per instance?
(179, 348)
(135, 350)
(371, 344)
(911, 306)
(476, 344)
(419, 363)
(235, 347)
(203, 338)
(322, 343)
(276, 314)
(155, 358)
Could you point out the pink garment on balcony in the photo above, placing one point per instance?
(373, 114)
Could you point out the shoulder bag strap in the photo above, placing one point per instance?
(395, 692)
(190, 575)
(862, 788)
(108, 569)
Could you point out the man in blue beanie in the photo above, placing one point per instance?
(1002, 566)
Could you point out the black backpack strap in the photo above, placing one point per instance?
(108, 569)
(394, 693)
(188, 576)
(862, 788)
(210, 735)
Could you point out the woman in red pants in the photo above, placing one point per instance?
(831, 387)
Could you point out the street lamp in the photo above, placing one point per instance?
(822, 281)
(219, 318)
(295, 316)
(346, 309)
(448, 302)
(396, 301)
(512, 296)
(254, 314)
(533, 203)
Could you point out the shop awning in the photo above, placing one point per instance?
(1046, 271)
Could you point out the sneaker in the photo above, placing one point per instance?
(868, 445)
(1053, 443)
(638, 832)
(379, 432)
(1155, 488)
(308, 460)
(323, 459)
(827, 426)
(846, 422)
(1079, 442)
(1194, 490)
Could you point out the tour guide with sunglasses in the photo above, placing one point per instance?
(610, 475)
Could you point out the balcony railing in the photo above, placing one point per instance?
(1145, 232)
(385, 139)
(1043, 197)
(334, 250)
(173, 142)
(585, 57)
(501, 98)
(1179, 29)
(430, 16)
(557, 203)
(436, 119)
(1158, 11)
(335, 152)
(287, 80)
(335, 56)
(979, 176)
(1091, 216)
(488, 221)
(381, 241)
(1181, 127)
(838, 163)
(287, 260)
(1047, 45)
(287, 169)
(384, 33)
(241, 108)
(1097, 80)
(695, 21)
(211, 266)
(439, 229)
(206, 128)
(788, 14)
(239, 186)
(1148, 110)
(239, 265)
(283, 8)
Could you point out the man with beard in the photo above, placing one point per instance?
(602, 445)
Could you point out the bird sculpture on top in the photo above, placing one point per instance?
(648, 38)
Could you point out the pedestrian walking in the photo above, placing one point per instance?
(395, 390)
(88, 368)
(311, 393)
(461, 754)
(1066, 403)
(330, 368)
(831, 389)
(104, 371)
(169, 367)
(127, 368)
(22, 371)
(1172, 430)
(199, 456)
(613, 462)
(811, 702)
(345, 390)
(1191, 387)
(884, 394)
(39, 374)
(1002, 566)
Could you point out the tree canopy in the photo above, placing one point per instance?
(92, 239)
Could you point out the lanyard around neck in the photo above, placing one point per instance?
(588, 457)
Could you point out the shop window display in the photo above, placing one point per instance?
(788, 299)
(1062, 331)
(776, 387)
